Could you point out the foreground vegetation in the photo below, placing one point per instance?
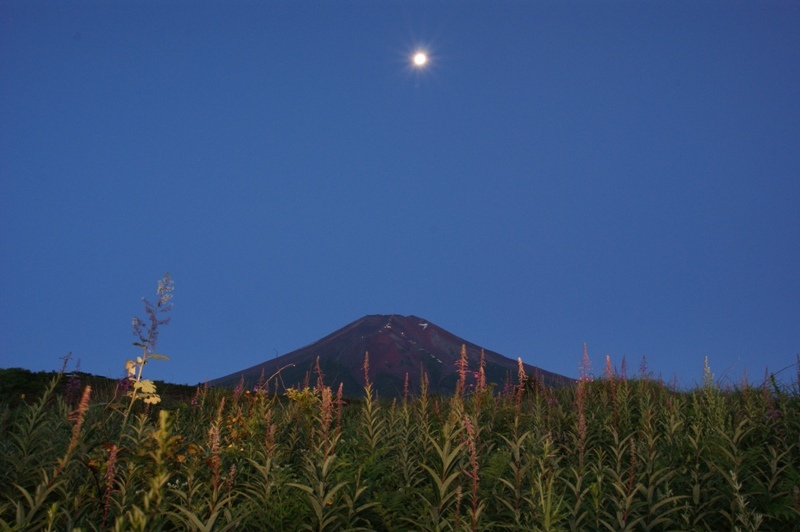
(607, 454)
(610, 454)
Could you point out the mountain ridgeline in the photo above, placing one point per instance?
(397, 345)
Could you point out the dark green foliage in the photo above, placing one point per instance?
(21, 386)
(611, 454)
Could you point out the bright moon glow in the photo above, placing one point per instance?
(420, 59)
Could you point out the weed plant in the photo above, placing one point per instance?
(613, 453)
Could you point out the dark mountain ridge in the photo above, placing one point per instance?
(397, 345)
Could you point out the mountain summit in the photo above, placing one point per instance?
(397, 345)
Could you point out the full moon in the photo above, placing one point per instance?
(420, 59)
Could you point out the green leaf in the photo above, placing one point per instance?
(307, 489)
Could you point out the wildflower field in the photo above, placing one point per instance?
(612, 453)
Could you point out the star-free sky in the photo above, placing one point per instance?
(625, 174)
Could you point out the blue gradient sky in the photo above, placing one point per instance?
(624, 174)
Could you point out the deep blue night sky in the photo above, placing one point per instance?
(624, 174)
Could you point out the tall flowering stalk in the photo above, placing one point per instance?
(481, 384)
(238, 390)
(76, 416)
(373, 425)
(608, 372)
(586, 365)
(147, 334)
(215, 460)
(482, 394)
(523, 379)
(111, 471)
(580, 407)
(340, 402)
(269, 435)
(320, 376)
(471, 441)
(326, 442)
(462, 367)
(365, 367)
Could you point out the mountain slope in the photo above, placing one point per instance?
(397, 345)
